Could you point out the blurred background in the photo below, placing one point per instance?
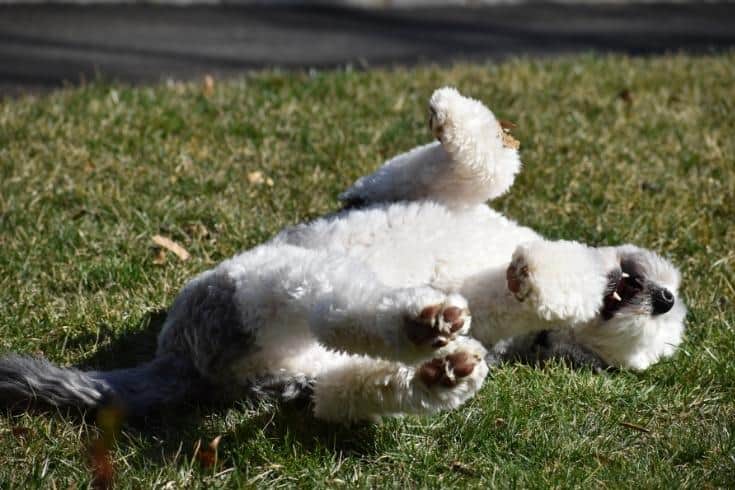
(48, 44)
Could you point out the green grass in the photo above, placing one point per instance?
(88, 176)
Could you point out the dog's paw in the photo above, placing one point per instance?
(448, 371)
(517, 276)
(441, 107)
(437, 325)
(559, 280)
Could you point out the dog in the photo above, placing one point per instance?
(367, 311)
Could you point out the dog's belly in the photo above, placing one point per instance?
(409, 244)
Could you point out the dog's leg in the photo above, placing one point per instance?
(367, 389)
(560, 281)
(404, 325)
(473, 161)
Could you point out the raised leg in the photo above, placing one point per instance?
(367, 389)
(404, 325)
(473, 161)
(561, 281)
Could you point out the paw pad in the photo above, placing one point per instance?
(448, 371)
(436, 325)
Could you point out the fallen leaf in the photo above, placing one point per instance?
(461, 467)
(171, 246)
(635, 427)
(256, 178)
(160, 256)
(507, 125)
(101, 465)
(21, 432)
(510, 142)
(197, 230)
(208, 85)
(626, 96)
(207, 456)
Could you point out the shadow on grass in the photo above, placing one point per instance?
(178, 429)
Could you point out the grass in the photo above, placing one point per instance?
(615, 150)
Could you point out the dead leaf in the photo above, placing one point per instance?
(510, 142)
(197, 230)
(461, 467)
(626, 96)
(159, 257)
(171, 246)
(635, 427)
(103, 471)
(207, 456)
(208, 85)
(256, 178)
(110, 419)
(507, 125)
(21, 432)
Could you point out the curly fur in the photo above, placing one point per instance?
(369, 309)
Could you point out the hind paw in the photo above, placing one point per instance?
(448, 371)
(437, 325)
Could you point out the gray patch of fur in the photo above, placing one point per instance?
(538, 348)
(205, 324)
(297, 389)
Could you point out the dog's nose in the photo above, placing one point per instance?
(662, 300)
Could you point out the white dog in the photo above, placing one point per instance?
(370, 308)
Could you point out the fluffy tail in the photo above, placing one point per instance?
(166, 380)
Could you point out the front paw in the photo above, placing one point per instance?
(560, 280)
(438, 324)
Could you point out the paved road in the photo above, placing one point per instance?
(44, 46)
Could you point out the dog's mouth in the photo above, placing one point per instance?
(622, 289)
(628, 286)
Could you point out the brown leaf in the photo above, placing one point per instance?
(256, 178)
(207, 456)
(103, 471)
(21, 432)
(171, 246)
(626, 96)
(159, 257)
(507, 125)
(208, 85)
(463, 468)
(510, 142)
(197, 230)
(635, 427)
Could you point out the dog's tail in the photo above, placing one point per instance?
(166, 380)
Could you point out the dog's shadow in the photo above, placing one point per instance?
(176, 428)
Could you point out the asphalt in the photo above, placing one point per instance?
(47, 46)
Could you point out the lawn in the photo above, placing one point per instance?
(615, 149)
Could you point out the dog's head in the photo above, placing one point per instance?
(642, 315)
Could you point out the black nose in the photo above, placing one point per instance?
(662, 300)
